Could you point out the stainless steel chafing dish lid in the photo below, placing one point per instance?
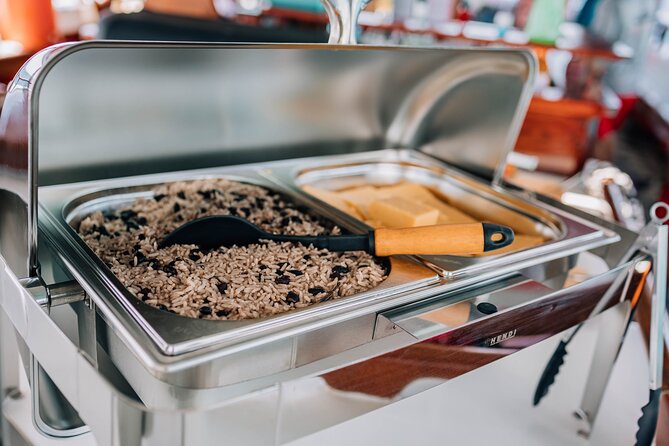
(96, 110)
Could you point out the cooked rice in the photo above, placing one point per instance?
(247, 282)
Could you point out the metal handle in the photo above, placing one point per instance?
(426, 320)
(343, 15)
(649, 413)
(658, 307)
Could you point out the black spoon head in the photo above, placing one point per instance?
(215, 231)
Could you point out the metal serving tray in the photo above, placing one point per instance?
(65, 206)
(566, 233)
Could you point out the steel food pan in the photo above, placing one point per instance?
(174, 334)
(564, 234)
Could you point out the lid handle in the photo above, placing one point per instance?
(343, 16)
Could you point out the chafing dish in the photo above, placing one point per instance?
(76, 137)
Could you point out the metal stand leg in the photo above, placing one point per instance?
(612, 327)
(9, 368)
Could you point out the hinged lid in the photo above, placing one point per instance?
(109, 109)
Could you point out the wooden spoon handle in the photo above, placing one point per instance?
(442, 239)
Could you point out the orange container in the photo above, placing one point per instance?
(30, 22)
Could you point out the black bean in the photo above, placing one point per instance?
(194, 257)
(292, 297)
(296, 219)
(221, 313)
(246, 211)
(260, 203)
(316, 290)
(127, 215)
(154, 263)
(203, 210)
(283, 213)
(159, 197)
(109, 215)
(282, 280)
(262, 266)
(276, 208)
(182, 195)
(141, 237)
(141, 258)
(131, 225)
(306, 257)
(222, 287)
(144, 293)
(141, 221)
(340, 269)
(176, 207)
(233, 211)
(163, 307)
(295, 272)
(238, 196)
(205, 310)
(170, 270)
(285, 221)
(103, 231)
(117, 233)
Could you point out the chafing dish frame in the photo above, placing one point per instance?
(174, 383)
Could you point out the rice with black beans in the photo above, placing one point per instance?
(234, 283)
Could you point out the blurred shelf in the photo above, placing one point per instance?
(588, 47)
(557, 132)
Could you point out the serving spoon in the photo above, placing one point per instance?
(226, 230)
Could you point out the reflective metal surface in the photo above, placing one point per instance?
(16, 234)
(18, 169)
(444, 351)
(53, 415)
